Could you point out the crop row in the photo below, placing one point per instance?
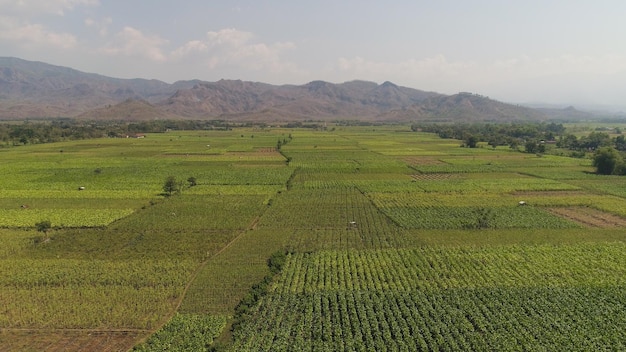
(43, 273)
(340, 210)
(67, 192)
(451, 217)
(185, 332)
(61, 217)
(496, 319)
(227, 276)
(454, 299)
(87, 307)
(195, 212)
(72, 293)
(385, 200)
(444, 268)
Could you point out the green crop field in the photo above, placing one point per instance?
(394, 240)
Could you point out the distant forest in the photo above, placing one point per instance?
(528, 137)
(58, 130)
(37, 132)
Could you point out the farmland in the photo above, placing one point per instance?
(395, 240)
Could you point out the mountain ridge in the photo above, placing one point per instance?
(33, 89)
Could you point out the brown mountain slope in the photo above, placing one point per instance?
(316, 99)
(128, 110)
(35, 89)
(465, 107)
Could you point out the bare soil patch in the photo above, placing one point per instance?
(434, 177)
(421, 160)
(68, 340)
(550, 193)
(589, 217)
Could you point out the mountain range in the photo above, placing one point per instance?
(30, 89)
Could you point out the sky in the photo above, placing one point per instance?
(562, 52)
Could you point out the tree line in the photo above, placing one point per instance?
(608, 153)
(57, 130)
(514, 135)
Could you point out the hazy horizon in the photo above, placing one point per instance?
(560, 53)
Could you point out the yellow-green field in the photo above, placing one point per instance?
(396, 240)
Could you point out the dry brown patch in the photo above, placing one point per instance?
(266, 150)
(421, 160)
(434, 177)
(550, 193)
(589, 217)
(68, 340)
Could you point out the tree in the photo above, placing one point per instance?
(531, 147)
(620, 143)
(541, 148)
(569, 141)
(595, 140)
(606, 160)
(471, 141)
(44, 226)
(483, 219)
(192, 181)
(171, 186)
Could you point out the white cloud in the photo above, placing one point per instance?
(35, 35)
(435, 68)
(101, 26)
(132, 42)
(440, 73)
(194, 46)
(234, 48)
(229, 37)
(57, 7)
(19, 27)
(224, 49)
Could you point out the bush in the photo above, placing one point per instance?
(606, 161)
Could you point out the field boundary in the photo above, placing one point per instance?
(193, 277)
(589, 217)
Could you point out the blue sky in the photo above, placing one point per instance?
(552, 51)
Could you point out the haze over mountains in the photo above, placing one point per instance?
(38, 90)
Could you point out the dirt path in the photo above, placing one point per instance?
(589, 217)
(113, 340)
(192, 278)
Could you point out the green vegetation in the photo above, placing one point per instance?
(64, 129)
(343, 238)
(497, 298)
(185, 333)
(608, 161)
(171, 186)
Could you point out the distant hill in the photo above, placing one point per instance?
(38, 90)
(469, 107)
(317, 99)
(128, 110)
(569, 112)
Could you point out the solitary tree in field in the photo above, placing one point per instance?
(192, 181)
(44, 226)
(472, 141)
(606, 160)
(170, 186)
